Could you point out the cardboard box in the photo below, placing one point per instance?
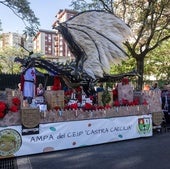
(125, 92)
(54, 98)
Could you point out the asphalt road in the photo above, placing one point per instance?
(143, 153)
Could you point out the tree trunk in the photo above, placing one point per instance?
(140, 70)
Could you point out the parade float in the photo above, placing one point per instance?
(76, 117)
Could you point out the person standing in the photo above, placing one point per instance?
(40, 90)
(29, 79)
(155, 87)
(146, 87)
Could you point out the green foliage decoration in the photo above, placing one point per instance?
(106, 98)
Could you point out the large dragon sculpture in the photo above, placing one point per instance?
(96, 40)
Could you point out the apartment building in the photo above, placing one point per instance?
(10, 39)
(13, 39)
(51, 43)
(61, 47)
(44, 42)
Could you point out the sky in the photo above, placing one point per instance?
(45, 10)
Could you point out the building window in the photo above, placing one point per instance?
(69, 54)
(49, 38)
(61, 43)
(61, 53)
(49, 48)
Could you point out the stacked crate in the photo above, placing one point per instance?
(54, 98)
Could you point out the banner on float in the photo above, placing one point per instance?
(72, 134)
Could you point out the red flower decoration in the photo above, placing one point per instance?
(16, 101)
(125, 102)
(2, 106)
(66, 107)
(116, 103)
(2, 114)
(57, 108)
(125, 81)
(131, 104)
(79, 89)
(14, 108)
(100, 107)
(107, 106)
(74, 106)
(88, 106)
(145, 102)
(136, 101)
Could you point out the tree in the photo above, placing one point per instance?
(158, 62)
(7, 56)
(0, 26)
(149, 21)
(21, 8)
(81, 5)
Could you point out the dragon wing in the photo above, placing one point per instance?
(96, 40)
